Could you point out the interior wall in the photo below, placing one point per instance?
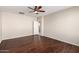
(63, 25)
(16, 25)
(0, 28)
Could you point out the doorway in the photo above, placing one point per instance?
(36, 27)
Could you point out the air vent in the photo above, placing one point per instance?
(21, 13)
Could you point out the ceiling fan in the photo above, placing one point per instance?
(36, 9)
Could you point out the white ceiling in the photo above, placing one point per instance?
(48, 9)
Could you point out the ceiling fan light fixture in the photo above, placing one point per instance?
(35, 12)
(37, 9)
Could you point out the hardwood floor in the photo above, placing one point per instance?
(36, 44)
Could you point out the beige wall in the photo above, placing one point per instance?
(0, 29)
(63, 25)
(16, 25)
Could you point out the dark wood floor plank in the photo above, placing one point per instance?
(36, 44)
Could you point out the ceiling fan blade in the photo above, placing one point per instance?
(39, 7)
(31, 11)
(30, 8)
(41, 11)
(35, 9)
